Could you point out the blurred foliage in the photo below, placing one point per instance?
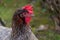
(53, 8)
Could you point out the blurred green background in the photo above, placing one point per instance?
(8, 7)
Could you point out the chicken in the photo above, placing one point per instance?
(20, 27)
(5, 33)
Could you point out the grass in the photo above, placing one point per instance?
(6, 15)
(48, 35)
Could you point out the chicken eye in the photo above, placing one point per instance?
(21, 15)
